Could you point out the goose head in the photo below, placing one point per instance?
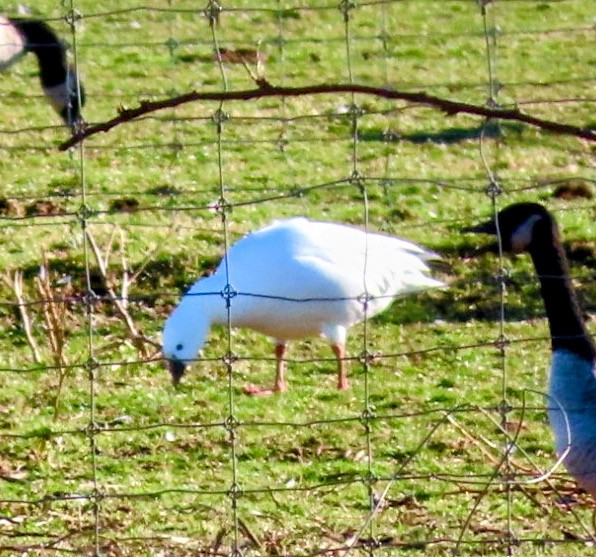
(516, 225)
(67, 98)
(183, 336)
(74, 99)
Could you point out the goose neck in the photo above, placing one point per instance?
(47, 47)
(209, 295)
(567, 327)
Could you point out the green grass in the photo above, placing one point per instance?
(196, 469)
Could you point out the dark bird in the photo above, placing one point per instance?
(58, 79)
(531, 228)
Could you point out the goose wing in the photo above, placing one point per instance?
(300, 258)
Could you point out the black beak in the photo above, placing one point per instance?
(488, 227)
(72, 118)
(177, 368)
(71, 114)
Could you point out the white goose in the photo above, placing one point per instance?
(59, 80)
(572, 391)
(293, 279)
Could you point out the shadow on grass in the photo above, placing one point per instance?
(479, 297)
(445, 136)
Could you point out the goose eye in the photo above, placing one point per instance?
(179, 347)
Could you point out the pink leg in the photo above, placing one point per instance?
(340, 353)
(280, 369)
(279, 385)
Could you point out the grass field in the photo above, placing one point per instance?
(99, 454)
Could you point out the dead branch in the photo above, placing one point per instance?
(265, 90)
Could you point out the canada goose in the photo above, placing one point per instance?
(59, 80)
(293, 279)
(572, 390)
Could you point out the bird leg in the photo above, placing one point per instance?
(340, 353)
(280, 384)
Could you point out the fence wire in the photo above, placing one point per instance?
(100, 457)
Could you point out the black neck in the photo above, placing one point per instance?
(567, 327)
(50, 52)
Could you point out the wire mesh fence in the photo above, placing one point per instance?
(441, 445)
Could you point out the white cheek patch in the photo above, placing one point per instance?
(12, 46)
(522, 235)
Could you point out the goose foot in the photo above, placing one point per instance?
(255, 390)
(343, 385)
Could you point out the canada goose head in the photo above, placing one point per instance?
(516, 225)
(67, 98)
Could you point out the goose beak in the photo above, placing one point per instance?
(487, 227)
(176, 368)
(74, 122)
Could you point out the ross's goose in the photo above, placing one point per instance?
(293, 279)
(572, 390)
(59, 80)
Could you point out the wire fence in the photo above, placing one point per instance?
(100, 457)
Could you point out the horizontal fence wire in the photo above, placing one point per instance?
(100, 456)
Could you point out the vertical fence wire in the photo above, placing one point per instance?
(91, 364)
(212, 13)
(176, 143)
(503, 472)
(281, 50)
(347, 8)
(490, 30)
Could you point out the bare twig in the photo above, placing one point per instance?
(494, 460)
(265, 89)
(249, 534)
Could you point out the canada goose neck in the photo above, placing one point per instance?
(566, 323)
(47, 47)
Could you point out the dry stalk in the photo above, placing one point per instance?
(136, 337)
(482, 442)
(16, 284)
(56, 316)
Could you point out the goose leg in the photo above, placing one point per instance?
(340, 353)
(279, 385)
